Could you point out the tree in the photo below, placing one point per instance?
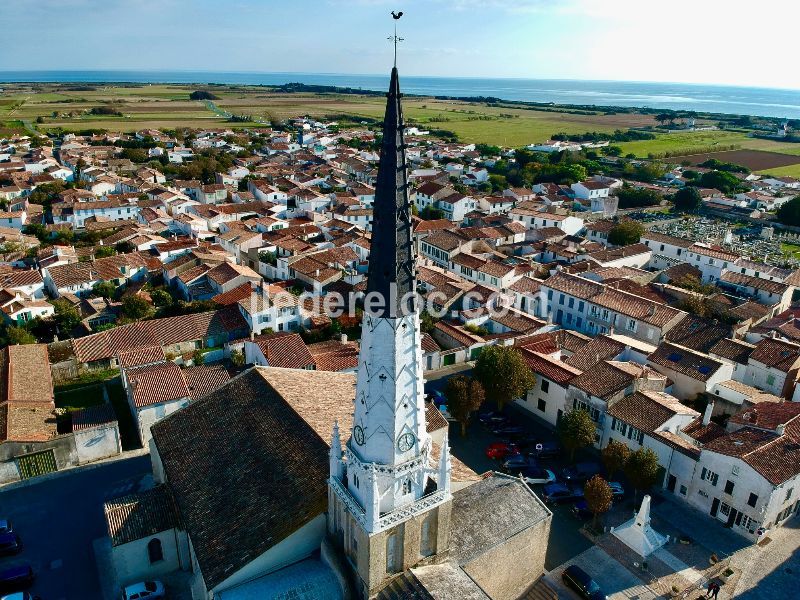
(687, 198)
(598, 496)
(161, 298)
(135, 307)
(464, 396)
(503, 373)
(237, 358)
(615, 457)
(722, 181)
(198, 358)
(65, 315)
(430, 213)
(576, 430)
(789, 212)
(18, 335)
(641, 469)
(626, 232)
(105, 289)
(104, 252)
(631, 197)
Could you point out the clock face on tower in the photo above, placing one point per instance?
(405, 442)
(358, 435)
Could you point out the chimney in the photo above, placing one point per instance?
(780, 429)
(343, 337)
(707, 413)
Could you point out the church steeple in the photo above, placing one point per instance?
(391, 272)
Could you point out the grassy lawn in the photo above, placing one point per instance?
(789, 171)
(75, 399)
(792, 250)
(86, 379)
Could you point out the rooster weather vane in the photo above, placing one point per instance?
(394, 38)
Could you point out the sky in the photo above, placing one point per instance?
(729, 42)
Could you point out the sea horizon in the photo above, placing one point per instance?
(713, 98)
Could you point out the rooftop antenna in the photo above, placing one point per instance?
(394, 38)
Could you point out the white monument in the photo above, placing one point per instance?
(637, 533)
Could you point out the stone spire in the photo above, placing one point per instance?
(391, 260)
(335, 454)
(445, 466)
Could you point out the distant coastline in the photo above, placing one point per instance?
(764, 102)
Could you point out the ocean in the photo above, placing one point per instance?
(675, 96)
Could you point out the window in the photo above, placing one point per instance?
(561, 299)
(578, 322)
(541, 405)
(725, 509)
(580, 306)
(631, 325)
(770, 379)
(407, 486)
(545, 385)
(549, 294)
(619, 426)
(683, 490)
(788, 494)
(154, 551)
(707, 475)
(729, 487)
(571, 302)
(427, 545)
(752, 500)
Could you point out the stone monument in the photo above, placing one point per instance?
(638, 534)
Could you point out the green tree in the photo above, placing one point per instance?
(598, 496)
(720, 180)
(198, 357)
(426, 322)
(631, 197)
(464, 396)
(237, 358)
(789, 212)
(687, 198)
(503, 373)
(430, 213)
(576, 430)
(104, 252)
(18, 335)
(161, 298)
(626, 232)
(65, 315)
(641, 469)
(615, 457)
(104, 289)
(135, 307)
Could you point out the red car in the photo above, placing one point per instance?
(501, 450)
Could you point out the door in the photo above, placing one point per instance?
(714, 507)
(732, 517)
(559, 414)
(671, 481)
(38, 463)
(448, 359)
(559, 316)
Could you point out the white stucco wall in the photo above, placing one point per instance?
(97, 442)
(132, 561)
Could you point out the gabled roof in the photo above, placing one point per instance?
(647, 411)
(777, 354)
(684, 360)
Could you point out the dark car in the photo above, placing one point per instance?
(581, 510)
(579, 580)
(581, 472)
(617, 491)
(516, 463)
(508, 430)
(542, 449)
(6, 526)
(437, 398)
(10, 543)
(561, 492)
(16, 578)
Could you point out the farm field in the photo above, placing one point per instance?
(755, 160)
(790, 171)
(69, 107)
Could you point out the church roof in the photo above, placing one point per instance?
(391, 260)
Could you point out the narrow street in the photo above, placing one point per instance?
(59, 516)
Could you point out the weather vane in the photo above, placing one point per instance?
(394, 38)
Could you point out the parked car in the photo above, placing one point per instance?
(437, 397)
(579, 580)
(10, 543)
(6, 526)
(149, 590)
(544, 449)
(581, 471)
(581, 510)
(537, 476)
(16, 578)
(561, 492)
(493, 420)
(501, 450)
(508, 429)
(516, 463)
(19, 596)
(617, 491)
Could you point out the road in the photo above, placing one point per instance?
(59, 517)
(566, 541)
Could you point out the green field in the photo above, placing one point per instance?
(169, 106)
(789, 171)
